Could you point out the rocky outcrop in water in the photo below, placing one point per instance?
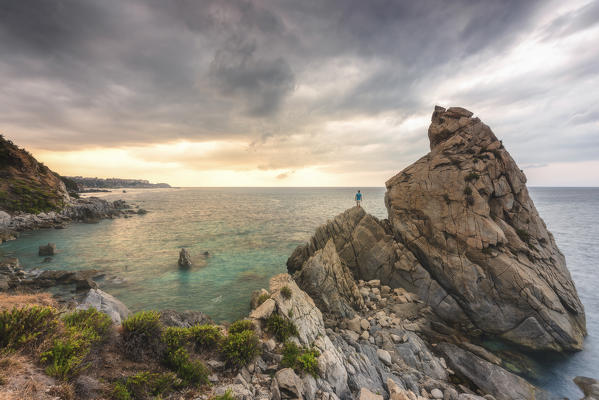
(465, 236)
(184, 259)
(464, 211)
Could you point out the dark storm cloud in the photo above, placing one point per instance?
(85, 73)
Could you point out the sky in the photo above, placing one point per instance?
(295, 93)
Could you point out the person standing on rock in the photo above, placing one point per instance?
(358, 198)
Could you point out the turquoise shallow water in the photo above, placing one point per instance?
(250, 232)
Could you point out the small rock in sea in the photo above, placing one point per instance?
(206, 253)
(47, 259)
(47, 250)
(59, 226)
(142, 211)
(184, 259)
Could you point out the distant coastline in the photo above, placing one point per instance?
(89, 185)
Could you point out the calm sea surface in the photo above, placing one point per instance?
(250, 232)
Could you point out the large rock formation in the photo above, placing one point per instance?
(465, 213)
(465, 236)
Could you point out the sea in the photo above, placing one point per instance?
(240, 237)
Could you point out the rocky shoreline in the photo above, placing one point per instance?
(386, 309)
(86, 210)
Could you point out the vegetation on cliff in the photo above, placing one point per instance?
(26, 184)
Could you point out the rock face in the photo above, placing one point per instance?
(105, 303)
(330, 283)
(47, 250)
(464, 235)
(503, 385)
(184, 259)
(464, 211)
(589, 386)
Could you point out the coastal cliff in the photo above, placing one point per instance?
(32, 196)
(370, 309)
(26, 184)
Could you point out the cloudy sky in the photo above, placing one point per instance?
(295, 93)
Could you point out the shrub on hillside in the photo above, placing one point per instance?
(205, 336)
(280, 327)
(96, 324)
(145, 385)
(27, 326)
(65, 356)
(300, 358)
(286, 292)
(240, 326)
(191, 372)
(174, 337)
(240, 348)
(142, 334)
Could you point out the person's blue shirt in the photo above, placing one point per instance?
(358, 196)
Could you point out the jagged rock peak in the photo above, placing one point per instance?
(465, 213)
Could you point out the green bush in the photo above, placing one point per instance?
(523, 235)
(120, 392)
(240, 348)
(142, 334)
(191, 372)
(147, 384)
(300, 359)
(26, 326)
(262, 298)
(65, 357)
(175, 337)
(286, 292)
(308, 362)
(240, 326)
(291, 352)
(205, 336)
(467, 190)
(280, 327)
(95, 324)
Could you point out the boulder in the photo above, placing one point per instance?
(488, 377)
(330, 283)
(257, 296)
(105, 303)
(589, 386)
(184, 259)
(47, 250)
(465, 213)
(366, 394)
(290, 385)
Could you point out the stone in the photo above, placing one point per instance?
(384, 356)
(184, 319)
(355, 325)
(365, 335)
(256, 296)
(364, 324)
(184, 259)
(503, 386)
(366, 394)
(589, 386)
(47, 250)
(437, 394)
(290, 385)
(264, 310)
(105, 303)
(330, 283)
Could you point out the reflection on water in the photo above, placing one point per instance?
(250, 232)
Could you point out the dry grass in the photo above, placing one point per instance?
(9, 301)
(22, 380)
